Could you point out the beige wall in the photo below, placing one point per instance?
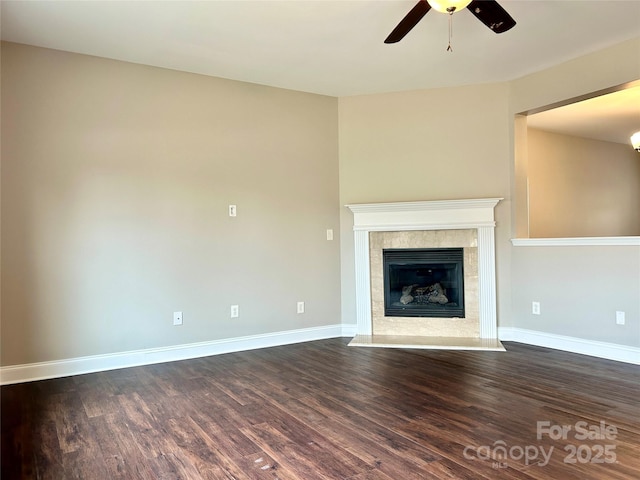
(442, 144)
(579, 289)
(596, 71)
(580, 187)
(116, 180)
(460, 143)
(573, 79)
(563, 279)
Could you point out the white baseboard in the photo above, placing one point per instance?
(98, 363)
(349, 330)
(610, 351)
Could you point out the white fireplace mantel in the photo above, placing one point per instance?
(428, 215)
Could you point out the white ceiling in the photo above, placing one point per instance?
(330, 47)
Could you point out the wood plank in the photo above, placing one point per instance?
(323, 410)
(119, 450)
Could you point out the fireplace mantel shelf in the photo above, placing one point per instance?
(424, 205)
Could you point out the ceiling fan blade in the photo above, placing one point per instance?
(409, 21)
(492, 15)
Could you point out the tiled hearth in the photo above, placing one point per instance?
(467, 224)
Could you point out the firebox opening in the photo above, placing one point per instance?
(422, 282)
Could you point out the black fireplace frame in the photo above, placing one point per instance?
(452, 258)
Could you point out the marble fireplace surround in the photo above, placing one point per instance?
(448, 220)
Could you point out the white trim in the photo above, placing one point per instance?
(363, 283)
(578, 241)
(429, 215)
(432, 226)
(488, 313)
(610, 351)
(98, 363)
(349, 330)
(425, 205)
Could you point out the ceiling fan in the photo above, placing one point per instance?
(488, 12)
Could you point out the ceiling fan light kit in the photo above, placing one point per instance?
(448, 6)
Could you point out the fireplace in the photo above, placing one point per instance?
(423, 282)
(447, 225)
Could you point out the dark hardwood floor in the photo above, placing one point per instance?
(322, 410)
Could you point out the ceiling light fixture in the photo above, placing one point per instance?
(448, 6)
(635, 141)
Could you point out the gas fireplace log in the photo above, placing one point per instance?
(429, 294)
(406, 297)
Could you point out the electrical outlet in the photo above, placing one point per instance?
(535, 308)
(300, 307)
(177, 318)
(233, 211)
(235, 311)
(620, 318)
